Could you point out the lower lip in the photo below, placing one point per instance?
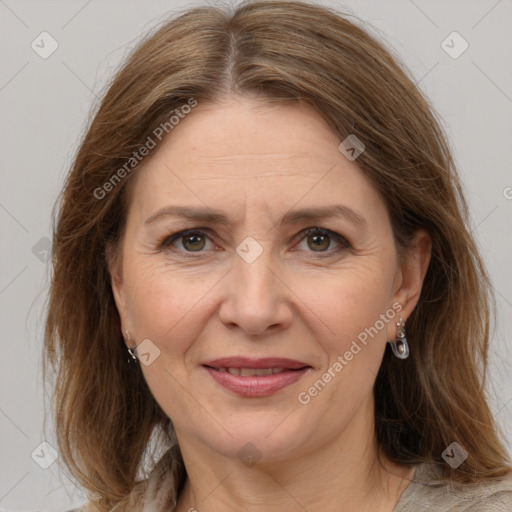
(256, 385)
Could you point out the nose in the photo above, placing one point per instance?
(256, 298)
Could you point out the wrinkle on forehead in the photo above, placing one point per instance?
(244, 177)
(270, 159)
(248, 156)
(281, 161)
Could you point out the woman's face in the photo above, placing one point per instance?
(264, 279)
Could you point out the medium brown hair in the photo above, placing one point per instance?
(283, 52)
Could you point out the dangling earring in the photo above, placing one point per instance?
(130, 351)
(400, 346)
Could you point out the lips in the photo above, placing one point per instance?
(250, 372)
(255, 377)
(262, 363)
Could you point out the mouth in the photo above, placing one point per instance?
(255, 377)
(251, 372)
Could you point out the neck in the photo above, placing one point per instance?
(344, 473)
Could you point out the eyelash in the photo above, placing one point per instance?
(167, 241)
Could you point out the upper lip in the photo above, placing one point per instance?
(247, 362)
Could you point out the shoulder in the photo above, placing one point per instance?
(428, 490)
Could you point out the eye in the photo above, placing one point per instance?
(192, 240)
(319, 240)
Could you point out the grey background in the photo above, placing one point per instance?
(44, 105)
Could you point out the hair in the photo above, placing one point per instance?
(284, 52)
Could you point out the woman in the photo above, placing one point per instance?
(265, 294)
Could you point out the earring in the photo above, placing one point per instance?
(130, 351)
(400, 346)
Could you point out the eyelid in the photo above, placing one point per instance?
(166, 242)
(342, 242)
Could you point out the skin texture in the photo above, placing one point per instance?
(299, 300)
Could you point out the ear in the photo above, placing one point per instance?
(114, 264)
(410, 276)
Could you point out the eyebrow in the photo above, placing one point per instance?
(291, 217)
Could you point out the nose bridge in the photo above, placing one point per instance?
(257, 298)
(254, 269)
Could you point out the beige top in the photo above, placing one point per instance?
(425, 493)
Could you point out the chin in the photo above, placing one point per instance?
(258, 441)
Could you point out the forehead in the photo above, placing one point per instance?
(269, 155)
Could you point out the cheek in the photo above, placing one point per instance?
(349, 303)
(167, 305)
(352, 314)
(352, 337)
(155, 306)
